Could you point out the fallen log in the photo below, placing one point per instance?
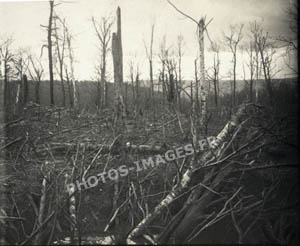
(65, 147)
(216, 145)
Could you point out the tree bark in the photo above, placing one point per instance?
(118, 73)
(37, 91)
(25, 81)
(234, 79)
(203, 92)
(50, 53)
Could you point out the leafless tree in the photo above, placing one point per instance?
(36, 71)
(49, 28)
(49, 46)
(201, 28)
(69, 70)
(149, 53)
(180, 53)
(195, 87)
(291, 42)
(117, 54)
(266, 50)
(60, 47)
(233, 40)
(251, 65)
(257, 67)
(134, 74)
(103, 32)
(214, 71)
(163, 55)
(21, 62)
(7, 58)
(171, 78)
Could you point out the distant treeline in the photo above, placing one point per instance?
(87, 91)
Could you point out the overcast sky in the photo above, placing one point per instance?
(22, 20)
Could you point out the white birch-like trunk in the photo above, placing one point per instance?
(181, 187)
(203, 84)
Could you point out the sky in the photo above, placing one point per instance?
(23, 19)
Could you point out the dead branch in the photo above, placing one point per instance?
(181, 187)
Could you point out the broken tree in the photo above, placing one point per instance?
(117, 54)
(201, 27)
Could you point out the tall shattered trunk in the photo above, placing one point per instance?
(50, 53)
(120, 110)
(118, 73)
(203, 84)
(195, 108)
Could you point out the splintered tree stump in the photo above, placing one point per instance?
(117, 54)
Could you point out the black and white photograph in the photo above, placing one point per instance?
(149, 122)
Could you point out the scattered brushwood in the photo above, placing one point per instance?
(216, 185)
(237, 181)
(47, 144)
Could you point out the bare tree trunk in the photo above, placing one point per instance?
(151, 81)
(163, 89)
(61, 55)
(232, 40)
(149, 54)
(137, 94)
(71, 99)
(103, 31)
(63, 90)
(171, 90)
(126, 96)
(133, 88)
(234, 79)
(194, 120)
(203, 93)
(75, 101)
(105, 92)
(215, 75)
(191, 93)
(36, 78)
(25, 82)
(251, 90)
(216, 92)
(37, 92)
(120, 109)
(103, 80)
(267, 78)
(50, 53)
(6, 92)
(99, 98)
(20, 94)
(251, 67)
(118, 73)
(257, 72)
(179, 86)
